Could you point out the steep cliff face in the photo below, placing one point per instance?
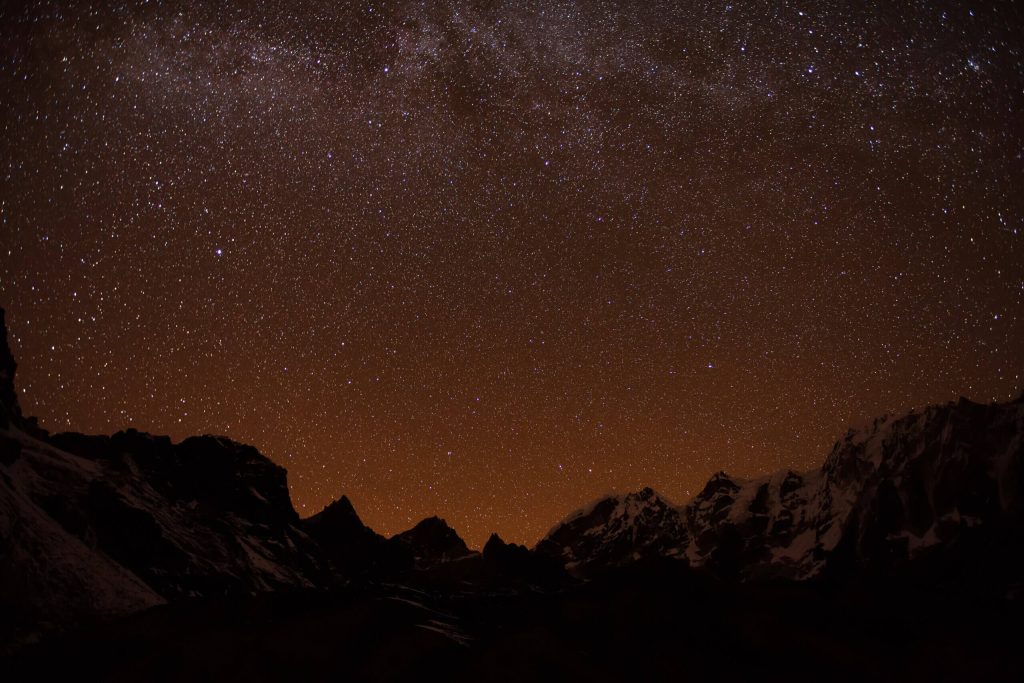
(10, 412)
(205, 516)
(942, 488)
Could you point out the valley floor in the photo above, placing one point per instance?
(654, 621)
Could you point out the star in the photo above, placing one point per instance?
(516, 233)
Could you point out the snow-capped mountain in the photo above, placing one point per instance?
(616, 530)
(944, 486)
(755, 527)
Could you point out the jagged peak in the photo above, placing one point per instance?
(432, 526)
(649, 494)
(494, 543)
(432, 539)
(719, 481)
(338, 511)
(339, 527)
(342, 505)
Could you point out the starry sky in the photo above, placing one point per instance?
(490, 260)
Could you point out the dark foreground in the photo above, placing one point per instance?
(657, 621)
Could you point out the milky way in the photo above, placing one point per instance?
(489, 260)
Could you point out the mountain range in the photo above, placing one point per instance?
(95, 529)
(940, 488)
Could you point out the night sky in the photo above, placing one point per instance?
(490, 260)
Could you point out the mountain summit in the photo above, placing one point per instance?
(432, 542)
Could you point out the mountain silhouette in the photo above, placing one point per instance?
(114, 544)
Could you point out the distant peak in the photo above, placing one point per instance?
(339, 511)
(433, 540)
(494, 543)
(342, 504)
(432, 522)
(432, 526)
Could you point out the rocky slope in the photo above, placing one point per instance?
(124, 522)
(50, 575)
(97, 526)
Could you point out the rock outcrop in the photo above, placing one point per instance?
(10, 411)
